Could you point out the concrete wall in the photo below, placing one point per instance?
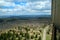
(56, 12)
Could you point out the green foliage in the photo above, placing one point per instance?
(35, 36)
(39, 38)
(22, 35)
(32, 36)
(26, 35)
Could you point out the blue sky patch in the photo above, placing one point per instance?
(25, 7)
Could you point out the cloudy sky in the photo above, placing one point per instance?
(25, 7)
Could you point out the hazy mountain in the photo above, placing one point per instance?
(24, 17)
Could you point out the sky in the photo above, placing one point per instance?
(25, 7)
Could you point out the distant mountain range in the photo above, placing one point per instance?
(24, 17)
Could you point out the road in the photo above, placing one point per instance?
(44, 32)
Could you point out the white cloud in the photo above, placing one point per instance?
(39, 5)
(29, 7)
(4, 3)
